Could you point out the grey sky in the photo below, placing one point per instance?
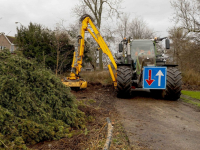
(48, 12)
(156, 13)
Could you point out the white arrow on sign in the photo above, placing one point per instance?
(159, 74)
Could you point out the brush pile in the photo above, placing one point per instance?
(34, 104)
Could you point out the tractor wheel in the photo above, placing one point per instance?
(124, 76)
(173, 87)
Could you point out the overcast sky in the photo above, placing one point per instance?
(156, 13)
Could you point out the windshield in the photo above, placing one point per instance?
(141, 47)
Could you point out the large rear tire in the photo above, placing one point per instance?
(174, 84)
(173, 87)
(124, 75)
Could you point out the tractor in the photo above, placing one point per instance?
(137, 54)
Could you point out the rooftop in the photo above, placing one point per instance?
(10, 38)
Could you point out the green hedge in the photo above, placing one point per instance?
(34, 104)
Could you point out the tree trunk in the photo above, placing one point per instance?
(100, 51)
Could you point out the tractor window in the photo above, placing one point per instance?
(139, 47)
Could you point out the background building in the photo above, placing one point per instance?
(7, 42)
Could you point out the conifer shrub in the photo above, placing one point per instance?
(34, 104)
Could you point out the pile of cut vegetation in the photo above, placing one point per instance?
(34, 104)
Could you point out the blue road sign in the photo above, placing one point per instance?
(154, 77)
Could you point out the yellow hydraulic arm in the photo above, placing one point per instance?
(74, 80)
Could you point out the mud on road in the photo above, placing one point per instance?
(152, 123)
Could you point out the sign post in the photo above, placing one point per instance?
(154, 77)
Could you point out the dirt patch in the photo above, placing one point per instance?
(191, 87)
(97, 102)
(141, 121)
(190, 102)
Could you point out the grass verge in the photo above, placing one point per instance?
(97, 77)
(193, 94)
(102, 77)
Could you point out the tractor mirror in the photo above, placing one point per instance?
(120, 47)
(167, 44)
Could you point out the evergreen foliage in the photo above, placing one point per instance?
(40, 43)
(34, 104)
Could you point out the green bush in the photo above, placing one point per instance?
(34, 104)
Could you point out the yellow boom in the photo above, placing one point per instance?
(74, 80)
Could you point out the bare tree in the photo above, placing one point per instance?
(186, 35)
(96, 8)
(123, 26)
(187, 14)
(139, 29)
(179, 43)
(92, 56)
(63, 46)
(184, 50)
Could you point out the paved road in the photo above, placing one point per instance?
(158, 124)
